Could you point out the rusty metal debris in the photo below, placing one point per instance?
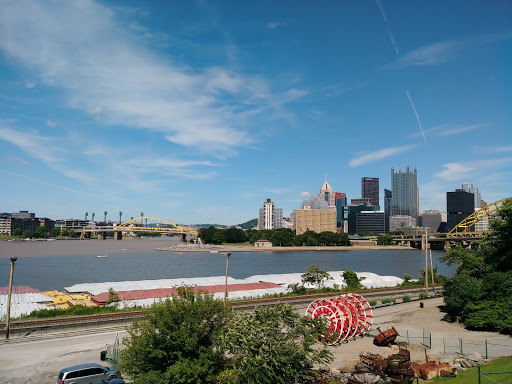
(385, 337)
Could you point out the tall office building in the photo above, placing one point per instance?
(405, 193)
(270, 217)
(387, 201)
(370, 189)
(341, 212)
(315, 215)
(433, 219)
(327, 194)
(469, 188)
(459, 205)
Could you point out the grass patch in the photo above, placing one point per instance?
(76, 310)
(406, 298)
(244, 244)
(471, 375)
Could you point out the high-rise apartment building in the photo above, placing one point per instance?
(370, 189)
(270, 217)
(459, 205)
(405, 193)
(469, 188)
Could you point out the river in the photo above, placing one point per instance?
(62, 263)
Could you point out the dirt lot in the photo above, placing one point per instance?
(39, 361)
(410, 319)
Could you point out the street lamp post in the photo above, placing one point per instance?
(426, 263)
(7, 324)
(226, 285)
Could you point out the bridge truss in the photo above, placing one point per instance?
(463, 229)
(130, 226)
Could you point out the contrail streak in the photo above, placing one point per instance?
(385, 17)
(417, 117)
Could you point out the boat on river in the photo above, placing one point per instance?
(102, 255)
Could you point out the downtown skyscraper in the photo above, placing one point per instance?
(370, 189)
(404, 193)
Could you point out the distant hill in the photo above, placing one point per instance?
(248, 224)
(209, 225)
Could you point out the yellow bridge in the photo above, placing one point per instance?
(133, 225)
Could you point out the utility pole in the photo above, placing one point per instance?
(226, 285)
(120, 215)
(7, 324)
(426, 263)
(142, 220)
(105, 219)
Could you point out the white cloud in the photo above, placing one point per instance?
(51, 123)
(305, 194)
(444, 51)
(90, 55)
(477, 169)
(455, 171)
(380, 154)
(449, 129)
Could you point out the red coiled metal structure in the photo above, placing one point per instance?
(347, 316)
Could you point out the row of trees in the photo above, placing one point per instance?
(42, 233)
(284, 237)
(194, 338)
(480, 292)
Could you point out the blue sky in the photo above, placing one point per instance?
(196, 111)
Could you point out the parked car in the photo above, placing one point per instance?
(87, 373)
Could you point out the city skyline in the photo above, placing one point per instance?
(198, 112)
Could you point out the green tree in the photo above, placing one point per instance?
(282, 237)
(55, 232)
(17, 232)
(113, 296)
(219, 237)
(482, 284)
(315, 276)
(42, 231)
(28, 234)
(273, 345)
(174, 342)
(353, 282)
(206, 234)
(386, 239)
(235, 235)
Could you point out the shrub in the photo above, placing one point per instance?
(372, 303)
(388, 300)
(421, 295)
(406, 298)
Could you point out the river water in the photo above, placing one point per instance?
(59, 264)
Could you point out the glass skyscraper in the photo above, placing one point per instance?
(404, 193)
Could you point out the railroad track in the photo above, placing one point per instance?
(33, 327)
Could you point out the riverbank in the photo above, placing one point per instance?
(248, 248)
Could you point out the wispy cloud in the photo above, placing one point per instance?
(465, 169)
(277, 24)
(444, 51)
(380, 154)
(488, 150)
(449, 130)
(90, 55)
(51, 123)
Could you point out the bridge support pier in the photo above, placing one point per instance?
(181, 237)
(101, 235)
(118, 235)
(447, 246)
